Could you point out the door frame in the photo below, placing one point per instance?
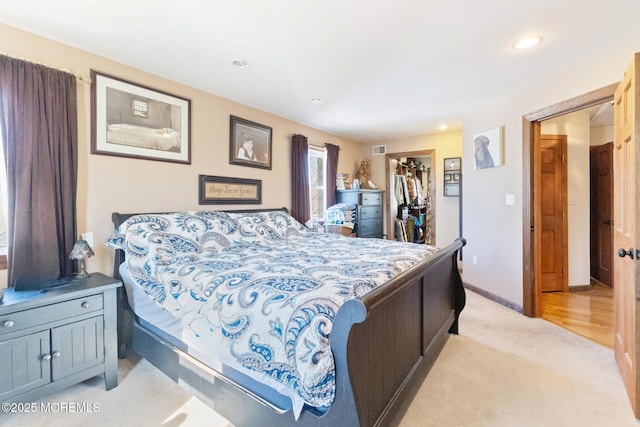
(531, 301)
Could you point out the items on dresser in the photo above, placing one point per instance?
(52, 339)
(368, 217)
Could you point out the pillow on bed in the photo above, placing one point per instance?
(164, 236)
(272, 225)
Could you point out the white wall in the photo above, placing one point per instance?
(576, 127)
(493, 230)
(601, 135)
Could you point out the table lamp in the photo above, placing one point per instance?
(81, 251)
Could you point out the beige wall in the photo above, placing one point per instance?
(445, 144)
(107, 184)
(576, 127)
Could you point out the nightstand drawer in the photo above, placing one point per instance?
(39, 316)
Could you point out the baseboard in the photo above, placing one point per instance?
(493, 297)
(580, 288)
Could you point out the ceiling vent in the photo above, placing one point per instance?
(379, 150)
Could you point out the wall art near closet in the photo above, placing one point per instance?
(452, 176)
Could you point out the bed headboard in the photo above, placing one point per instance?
(118, 218)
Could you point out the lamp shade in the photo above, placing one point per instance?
(81, 250)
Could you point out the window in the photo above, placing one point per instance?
(317, 182)
(140, 108)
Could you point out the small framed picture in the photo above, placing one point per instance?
(249, 144)
(456, 177)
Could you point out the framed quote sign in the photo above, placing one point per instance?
(230, 191)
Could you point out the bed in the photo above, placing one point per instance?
(164, 139)
(357, 341)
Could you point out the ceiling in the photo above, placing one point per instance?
(386, 69)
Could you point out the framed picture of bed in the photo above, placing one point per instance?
(132, 120)
(249, 144)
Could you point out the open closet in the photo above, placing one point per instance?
(411, 196)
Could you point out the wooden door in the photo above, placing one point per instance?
(601, 167)
(551, 204)
(625, 229)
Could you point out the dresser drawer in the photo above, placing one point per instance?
(370, 212)
(39, 316)
(370, 228)
(369, 199)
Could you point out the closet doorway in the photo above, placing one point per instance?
(428, 183)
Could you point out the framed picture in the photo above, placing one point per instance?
(229, 191)
(452, 171)
(452, 164)
(131, 120)
(249, 144)
(487, 149)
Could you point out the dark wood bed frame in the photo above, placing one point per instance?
(383, 344)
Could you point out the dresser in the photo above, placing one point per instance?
(52, 339)
(368, 210)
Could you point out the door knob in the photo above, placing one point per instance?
(622, 253)
(607, 222)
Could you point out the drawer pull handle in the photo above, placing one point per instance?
(46, 357)
(8, 323)
(56, 355)
(86, 305)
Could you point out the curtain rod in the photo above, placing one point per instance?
(83, 79)
(311, 142)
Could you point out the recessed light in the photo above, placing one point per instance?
(240, 63)
(316, 99)
(527, 42)
(443, 127)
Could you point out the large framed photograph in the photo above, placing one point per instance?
(131, 120)
(225, 190)
(249, 144)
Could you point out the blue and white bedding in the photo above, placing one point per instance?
(258, 288)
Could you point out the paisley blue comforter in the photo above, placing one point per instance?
(264, 286)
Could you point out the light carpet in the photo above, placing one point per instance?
(504, 369)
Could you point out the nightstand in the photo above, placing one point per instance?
(52, 339)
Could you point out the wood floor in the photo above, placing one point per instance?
(587, 313)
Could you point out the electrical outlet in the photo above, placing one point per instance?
(88, 237)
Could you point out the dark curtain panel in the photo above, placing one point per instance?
(332, 170)
(38, 109)
(300, 203)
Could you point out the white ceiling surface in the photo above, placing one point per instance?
(385, 68)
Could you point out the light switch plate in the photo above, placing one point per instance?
(511, 199)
